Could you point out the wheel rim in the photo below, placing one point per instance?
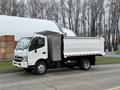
(86, 65)
(41, 68)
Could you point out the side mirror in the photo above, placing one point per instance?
(30, 48)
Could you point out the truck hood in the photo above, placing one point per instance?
(20, 53)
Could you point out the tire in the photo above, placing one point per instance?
(85, 65)
(27, 69)
(40, 68)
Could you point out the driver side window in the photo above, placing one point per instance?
(37, 43)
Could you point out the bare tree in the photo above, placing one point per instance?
(83, 19)
(22, 8)
(34, 8)
(8, 7)
(3, 7)
(96, 11)
(77, 17)
(63, 11)
(12, 7)
(52, 11)
(114, 22)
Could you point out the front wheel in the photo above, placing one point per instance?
(41, 68)
(85, 65)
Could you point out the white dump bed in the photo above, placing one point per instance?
(81, 46)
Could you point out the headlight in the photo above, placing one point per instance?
(25, 58)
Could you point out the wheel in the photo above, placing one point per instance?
(27, 69)
(40, 68)
(85, 65)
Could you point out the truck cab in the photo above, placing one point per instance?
(29, 50)
(45, 47)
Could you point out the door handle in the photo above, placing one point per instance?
(35, 50)
(44, 52)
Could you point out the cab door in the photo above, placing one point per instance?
(37, 50)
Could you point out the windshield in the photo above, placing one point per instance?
(24, 43)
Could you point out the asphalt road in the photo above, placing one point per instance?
(100, 77)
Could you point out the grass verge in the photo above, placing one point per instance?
(6, 67)
(107, 60)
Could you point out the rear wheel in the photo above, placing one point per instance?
(85, 65)
(27, 69)
(40, 68)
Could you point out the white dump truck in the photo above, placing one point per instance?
(51, 47)
(46, 50)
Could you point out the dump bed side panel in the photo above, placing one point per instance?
(76, 46)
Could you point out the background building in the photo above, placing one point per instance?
(7, 46)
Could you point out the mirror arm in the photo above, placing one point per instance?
(35, 50)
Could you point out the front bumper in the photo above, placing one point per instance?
(20, 64)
